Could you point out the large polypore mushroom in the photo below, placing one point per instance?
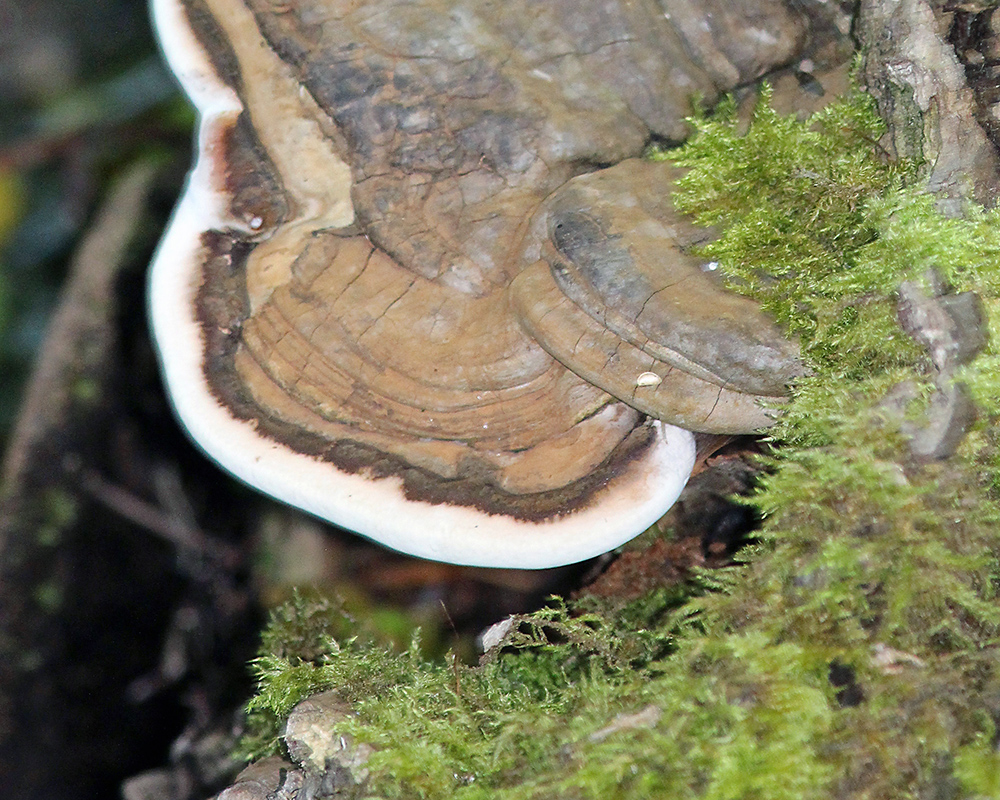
(404, 291)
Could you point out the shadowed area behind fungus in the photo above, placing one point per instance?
(462, 128)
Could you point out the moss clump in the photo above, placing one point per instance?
(854, 652)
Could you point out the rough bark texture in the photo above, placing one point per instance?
(924, 95)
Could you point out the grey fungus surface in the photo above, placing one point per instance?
(401, 292)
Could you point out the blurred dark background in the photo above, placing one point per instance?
(82, 93)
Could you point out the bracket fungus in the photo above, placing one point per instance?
(404, 291)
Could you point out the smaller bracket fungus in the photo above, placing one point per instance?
(400, 294)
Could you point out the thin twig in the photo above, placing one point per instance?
(154, 520)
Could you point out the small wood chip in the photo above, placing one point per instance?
(646, 718)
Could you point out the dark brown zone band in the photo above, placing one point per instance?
(222, 306)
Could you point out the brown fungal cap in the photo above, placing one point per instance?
(382, 299)
(618, 297)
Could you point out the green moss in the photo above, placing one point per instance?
(869, 564)
(792, 200)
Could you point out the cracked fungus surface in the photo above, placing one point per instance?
(406, 256)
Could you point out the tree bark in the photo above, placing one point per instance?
(923, 93)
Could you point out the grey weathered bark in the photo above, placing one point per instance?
(923, 92)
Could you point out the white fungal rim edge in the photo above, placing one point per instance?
(375, 508)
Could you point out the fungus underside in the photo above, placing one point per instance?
(738, 688)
